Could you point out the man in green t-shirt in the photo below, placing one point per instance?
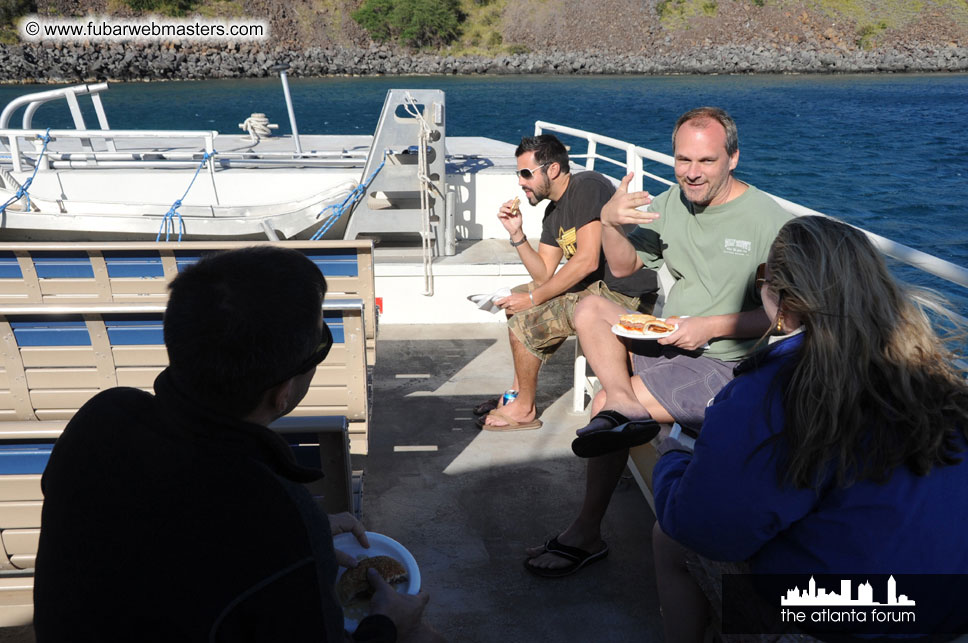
(711, 231)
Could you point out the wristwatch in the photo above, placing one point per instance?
(515, 244)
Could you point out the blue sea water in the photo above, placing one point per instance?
(886, 152)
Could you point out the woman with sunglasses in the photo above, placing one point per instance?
(838, 450)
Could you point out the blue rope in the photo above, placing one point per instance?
(168, 222)
(22, 190)
(351, 199)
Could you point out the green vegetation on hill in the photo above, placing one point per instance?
(482, 27)
(415, 23)
(674, 13)
(10, 11)
(221, 9)
(163, 7)
(875, 17)
(458, 27)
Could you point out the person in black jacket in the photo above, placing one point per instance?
(180, 516)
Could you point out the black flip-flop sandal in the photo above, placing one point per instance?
(617, 433)
(578, 557)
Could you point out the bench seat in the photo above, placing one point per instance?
(139, 272)
(76, 319)
(321, 442)
(54, 359)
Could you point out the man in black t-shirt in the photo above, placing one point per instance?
(541, 313)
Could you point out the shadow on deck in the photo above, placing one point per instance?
(467, 502)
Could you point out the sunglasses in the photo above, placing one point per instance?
(528, 173)
(318, 355)
(761, 279)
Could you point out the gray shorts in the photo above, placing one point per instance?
(683, 383)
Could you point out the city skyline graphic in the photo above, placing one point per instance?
(813, 595)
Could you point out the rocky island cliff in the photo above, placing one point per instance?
(334, 37)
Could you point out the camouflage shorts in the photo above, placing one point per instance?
(545, 327)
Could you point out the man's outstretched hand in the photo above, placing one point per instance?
(623, 207)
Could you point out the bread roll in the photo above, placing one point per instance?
(353, 584)
(643, 323)
(635, 321)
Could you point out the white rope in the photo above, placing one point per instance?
(258, 127)
(423, 175)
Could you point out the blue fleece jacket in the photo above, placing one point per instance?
(724, 502)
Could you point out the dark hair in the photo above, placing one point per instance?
(547, 149)
(240, 322)
(874, 387)
(701, 117)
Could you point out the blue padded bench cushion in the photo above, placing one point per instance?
(24, 458)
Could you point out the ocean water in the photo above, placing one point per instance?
(886, 152)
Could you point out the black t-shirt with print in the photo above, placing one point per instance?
(581, 204)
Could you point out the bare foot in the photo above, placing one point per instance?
(516, 411)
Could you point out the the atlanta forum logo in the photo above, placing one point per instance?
(816, 605)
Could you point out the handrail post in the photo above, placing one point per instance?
(281, 68)
(634, 164)
(592, 151)
(210, 150)
(15, 153)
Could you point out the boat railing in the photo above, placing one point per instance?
(34, 100)
(635, 156)
(22, 143)
(155, 149)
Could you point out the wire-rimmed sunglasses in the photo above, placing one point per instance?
(527, 173)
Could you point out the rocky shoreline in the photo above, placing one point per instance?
(65, 63)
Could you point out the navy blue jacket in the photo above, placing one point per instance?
(724, 502)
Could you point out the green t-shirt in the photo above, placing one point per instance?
(712, 255)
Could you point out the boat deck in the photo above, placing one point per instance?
(467, 502)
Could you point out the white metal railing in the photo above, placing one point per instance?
(33, 140)
(156, 151)
(35, 100)
(634, 156)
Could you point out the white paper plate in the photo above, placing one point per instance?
(486, 302)
(380, 545)
(634, 334)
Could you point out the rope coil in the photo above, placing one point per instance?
(258, 127)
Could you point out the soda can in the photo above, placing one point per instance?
(509, 396)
